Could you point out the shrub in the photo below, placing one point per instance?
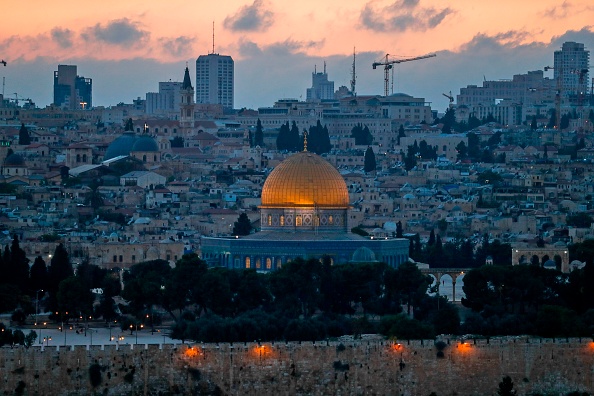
(95, 375)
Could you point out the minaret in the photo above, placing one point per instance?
(186, 107)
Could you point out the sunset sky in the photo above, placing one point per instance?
(127, 47)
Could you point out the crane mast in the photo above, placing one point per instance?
(389, 64)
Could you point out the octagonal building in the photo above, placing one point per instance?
(304, 213)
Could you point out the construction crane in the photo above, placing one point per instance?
(450, 97)
(389, 64)
(557, 96)
(18, 97)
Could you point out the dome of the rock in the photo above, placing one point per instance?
(305, 180)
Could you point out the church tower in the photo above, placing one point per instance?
(186, 106)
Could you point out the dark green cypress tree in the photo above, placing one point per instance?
(399, 231)
(259, 134)
(18, 266)
(39, 276)
(24, 138)
(242, 226)
(369, 164)
(282, 139)
(60, 268)
(295, 141)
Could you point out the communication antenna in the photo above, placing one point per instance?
(213, 38)
(353, 76)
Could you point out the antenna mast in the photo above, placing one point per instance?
(213, 38)
(354, 76)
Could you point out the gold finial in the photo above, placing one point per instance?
(305, 140)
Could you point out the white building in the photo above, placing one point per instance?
(215, 80)
(166, 101)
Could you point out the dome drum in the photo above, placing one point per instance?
(304, 219)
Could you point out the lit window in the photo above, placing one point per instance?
(282, 220)
(298, 221)
(269, 220)
(258, 263)
(268, 263)
(248, 262)
(330, 219)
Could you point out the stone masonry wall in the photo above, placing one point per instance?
(326, 368)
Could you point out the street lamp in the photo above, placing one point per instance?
(47, 340)
(110, 338)
(40, 340)
(132, 327)
(37, 304)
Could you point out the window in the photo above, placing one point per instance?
(330, 220)
(298, 221)
(269, 221)
(258, 263)
(282, 220)
(115, 258)
(121, 258)
(248, 262)
(133, 257)
(268, 263)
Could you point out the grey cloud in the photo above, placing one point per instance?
(248, 49)
(63, 37)
(402, 15)
(178, 46)
(560, 11)
(122, 32)
(254, 17)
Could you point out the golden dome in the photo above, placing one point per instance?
(305, 179)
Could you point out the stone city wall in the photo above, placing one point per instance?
(323, 368)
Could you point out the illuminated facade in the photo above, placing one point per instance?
(304, 213)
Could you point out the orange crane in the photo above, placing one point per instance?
(389, 64)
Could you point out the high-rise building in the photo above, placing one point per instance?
(571, 67)
(215, 79)
(71, 91)
(321, 88)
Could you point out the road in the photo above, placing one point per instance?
(95, 336)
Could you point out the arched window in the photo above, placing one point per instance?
(258, 263)
(248, 262)
(330, 220)
(77, 157)
(298, 221)
(268, 263)
(84, 158)
(154, 158)
(279, 263)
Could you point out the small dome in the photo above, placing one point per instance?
(145, 143)
(120, 146)
(363, 255)
(303, 180)
(14, 160)
(550, 264)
